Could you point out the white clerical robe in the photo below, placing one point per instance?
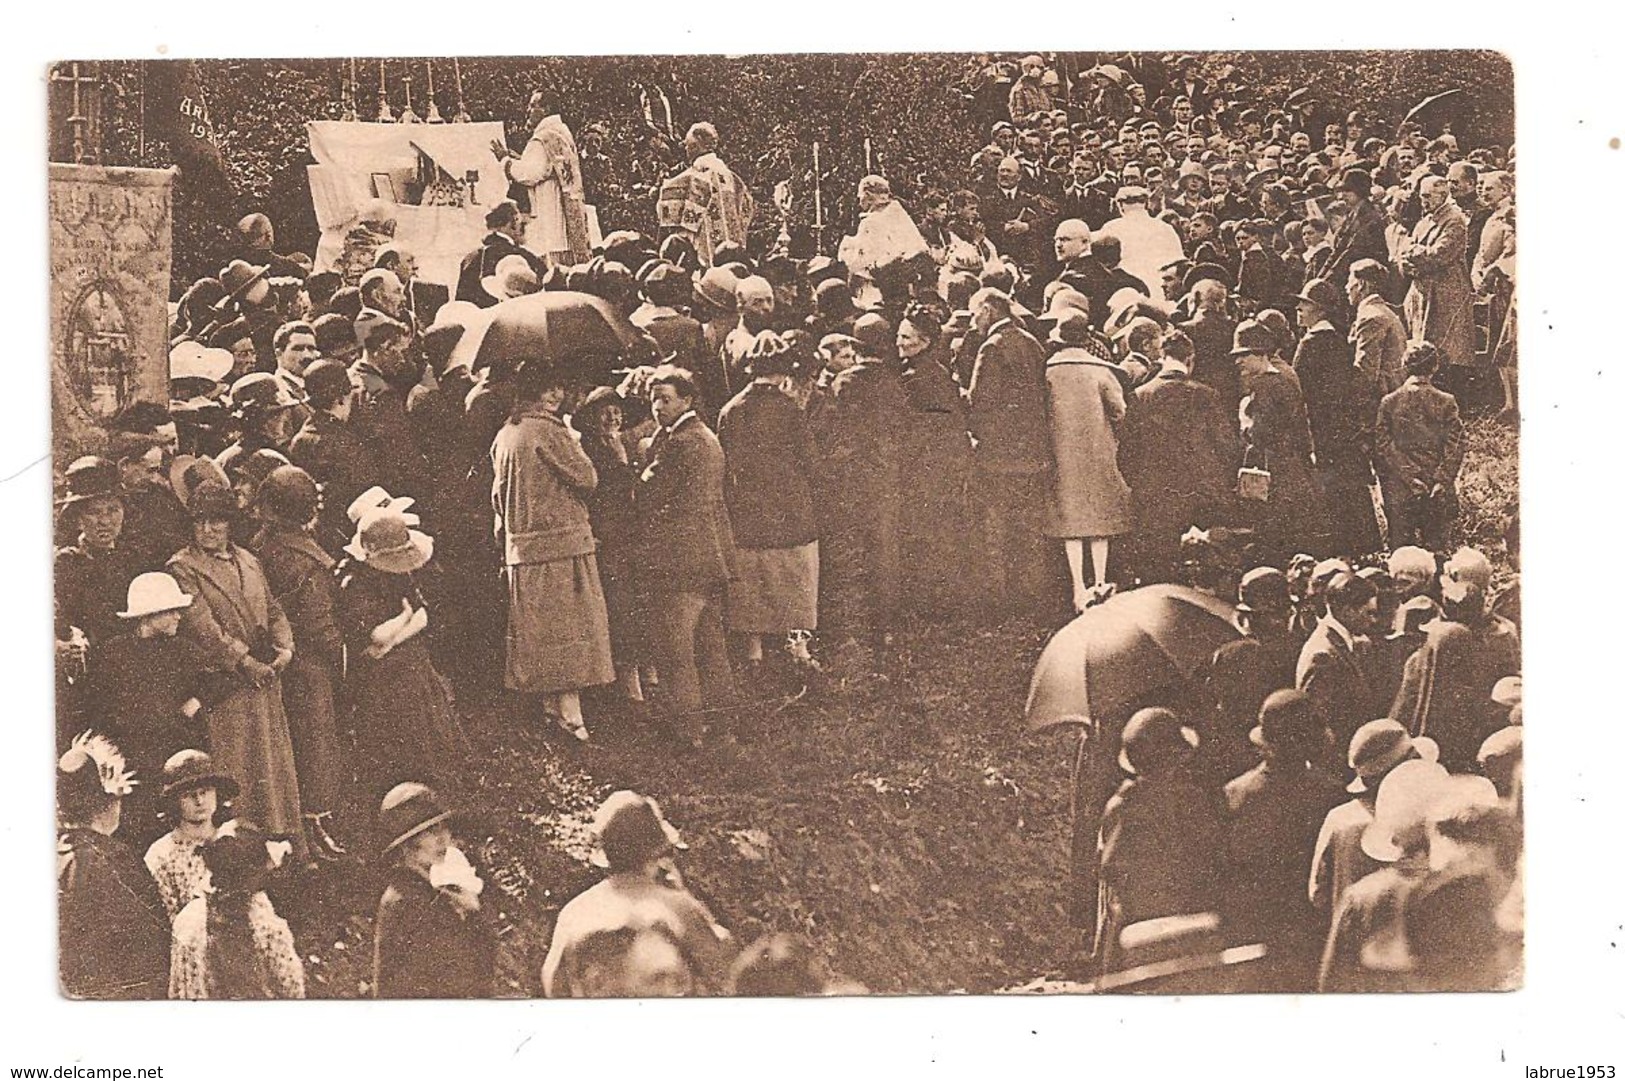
(551, 169)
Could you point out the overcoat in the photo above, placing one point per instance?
(1089, 497)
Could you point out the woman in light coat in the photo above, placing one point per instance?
(1089, 500)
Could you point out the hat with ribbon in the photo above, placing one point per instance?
(1153, 738)
(385, 541)
(87, 478)
(239, 276)
(1378, 746)
(407, 810)
(512, 277)
(192, 768)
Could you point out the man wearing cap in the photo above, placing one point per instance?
(1276, 810)
(1342, 402)
(506, 236)
(1377, 748)
(707, 201)
(1420, 441)
(642, 894)
(1178, 454)
(1378, 334)
(1148, 243)
(1009, 425)
(1361, 233)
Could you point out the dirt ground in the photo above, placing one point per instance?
(907, 824)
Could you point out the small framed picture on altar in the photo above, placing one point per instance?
(383, 186)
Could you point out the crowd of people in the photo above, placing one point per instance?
(1135, 343)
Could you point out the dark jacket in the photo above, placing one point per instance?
(114, 936)
(770, 463)
(1213, 333)
(859, 428)
(1340, 399)
(1361, 235)
(1337, 679)
(687, 541)
(424, 946)
(91, 589)
(300, 574)
(1008, 415)
(1178, 453)
(336, 458)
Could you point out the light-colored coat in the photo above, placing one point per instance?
(1089, 497)
(1439, 306)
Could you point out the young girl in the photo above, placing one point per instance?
(196, 791)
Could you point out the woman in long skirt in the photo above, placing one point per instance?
(242, 633)
(558, 624)
(402, 713)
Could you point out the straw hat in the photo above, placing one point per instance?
(376, 499)
(1378, 746)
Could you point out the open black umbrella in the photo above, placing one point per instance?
(576, 331)
(1117, 652)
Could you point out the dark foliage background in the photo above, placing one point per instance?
(921, 113)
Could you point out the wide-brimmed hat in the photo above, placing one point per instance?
(259, 394)
(717, 287)
(386, 542)
(1356, 180)
(87, 478)
(1264, 588)
(376, 500)
(1152, 737)
(631, 829)
(1378, 746)
(1063, 301)
(288, 494)
(512, 277)
(194, 360)
(1403, 801)
(239, 275)
(154, 592)
(407, 810)
(1468, 571)
(192, 768)
(1508, 691)
(189, 472)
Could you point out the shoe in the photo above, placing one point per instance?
(576, 728)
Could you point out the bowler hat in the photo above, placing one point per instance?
(1322, 294)
(1254, 338)
(1287, 721)
(630, 829)
(717, 287)
(327, 382)
(407, 810)
(1378, 746)
(1202, 272)
(152, 593)
(89, 478)
(191, 768)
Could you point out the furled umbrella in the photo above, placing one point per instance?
(1122, 650)
(578, 332)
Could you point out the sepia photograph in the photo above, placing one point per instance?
(694, 525)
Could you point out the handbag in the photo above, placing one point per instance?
(1252, 482)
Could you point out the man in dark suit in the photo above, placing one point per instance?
(1084, 196)
(1212, 331)
(1260, 281)
(1178, 453)
(1016, 222)
(505, 238)
(423, 298)
(687, 555)
(1419, 446)
(1009, 423)
(1080, 269)
(1361, 233)
(1341, 401)
(1333, 666)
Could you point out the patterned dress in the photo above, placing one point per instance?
(179, 871)
(282, 974)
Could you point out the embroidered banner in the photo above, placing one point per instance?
(110, 260)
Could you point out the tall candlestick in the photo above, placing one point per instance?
(461, 116)
(433, 116)
(385, 114)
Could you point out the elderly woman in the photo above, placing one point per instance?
(243, 635)
(403, 722)
(1089, 500)
(936, 464)
(769, 491)
(558, 623)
